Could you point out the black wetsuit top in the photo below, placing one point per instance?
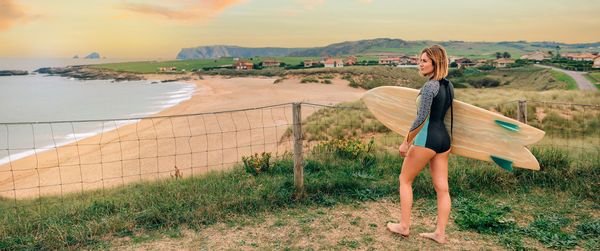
(429, 129)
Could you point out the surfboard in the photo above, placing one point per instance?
(477, 133)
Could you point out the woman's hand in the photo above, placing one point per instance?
(403, 149)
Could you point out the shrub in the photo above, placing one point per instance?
(309, 80)
(347, 148)
(255, 164)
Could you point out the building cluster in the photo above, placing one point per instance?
(461, 62)
(541, 55)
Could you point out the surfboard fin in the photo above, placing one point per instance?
(507, 125)
(505, 164)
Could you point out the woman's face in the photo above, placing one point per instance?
(425, 65)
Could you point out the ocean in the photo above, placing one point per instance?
(28, 105)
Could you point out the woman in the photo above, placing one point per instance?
(431, 143)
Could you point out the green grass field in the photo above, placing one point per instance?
(594, 77)
(566, 79)
(198, 64)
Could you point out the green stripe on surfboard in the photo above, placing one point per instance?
(507, 125)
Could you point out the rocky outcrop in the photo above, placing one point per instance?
(13, 73)
(85, 73)
(93, 55)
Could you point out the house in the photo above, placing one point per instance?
(481, 62)
(597, 61)
(334, 63)
(503, 62)
(310, 62)
(583, 57)
(389, 61)
(270, 63)
(350, 60)
(464, 63)
(325, 58)
(538, 55)
(167, 69)
(453, 59)
(243, 65)
(414, 60)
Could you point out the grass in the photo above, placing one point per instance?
(199, 64)
(566, 79)
(91, 218)
(594, 78)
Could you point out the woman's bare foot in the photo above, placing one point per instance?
(439, 238)
(397, 228)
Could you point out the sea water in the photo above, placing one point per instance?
(37, 111)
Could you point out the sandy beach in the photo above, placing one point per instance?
(152, 148)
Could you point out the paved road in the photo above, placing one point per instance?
(582, 82)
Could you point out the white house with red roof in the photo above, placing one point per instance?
(597, 61)
(334, 62)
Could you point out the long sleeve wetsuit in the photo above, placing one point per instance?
(429, 129)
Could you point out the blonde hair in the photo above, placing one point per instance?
(439, 59)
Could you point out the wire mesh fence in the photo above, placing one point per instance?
(50, 159)
(41, 160)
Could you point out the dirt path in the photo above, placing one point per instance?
(582, 82)
(341, 227)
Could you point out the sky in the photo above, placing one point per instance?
(160, 28)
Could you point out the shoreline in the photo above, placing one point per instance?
(150, 149)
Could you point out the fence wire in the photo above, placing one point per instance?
(41, 160)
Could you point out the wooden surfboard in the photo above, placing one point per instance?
(477, 133)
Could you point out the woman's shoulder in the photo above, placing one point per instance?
(431, 86)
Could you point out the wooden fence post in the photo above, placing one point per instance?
(297, 131)
(522, 111)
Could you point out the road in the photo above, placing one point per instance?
(582, 82)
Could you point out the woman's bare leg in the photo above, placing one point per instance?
(439, 175)
(414, 162)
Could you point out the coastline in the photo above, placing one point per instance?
(151, 148)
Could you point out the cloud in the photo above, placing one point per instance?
(182, 11)
(11, 13)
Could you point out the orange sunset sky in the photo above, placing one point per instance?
(160, 28)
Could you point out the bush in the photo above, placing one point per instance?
(484, 82)
(309, 80)
(349, 149)
(255, 164)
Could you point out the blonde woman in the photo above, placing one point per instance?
(431, 143)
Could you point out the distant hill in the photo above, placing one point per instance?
(218, 51)
(355, 47)
(388, 46)
(93, 55)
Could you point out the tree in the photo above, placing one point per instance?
(558, 51)
(506, 55)
(551, 53)
(498, 55)
(453, 65)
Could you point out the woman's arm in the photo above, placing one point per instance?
(427, 93)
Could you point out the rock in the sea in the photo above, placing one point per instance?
(76, 57)
(93, 55)
(84, 73)
(13, 73)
